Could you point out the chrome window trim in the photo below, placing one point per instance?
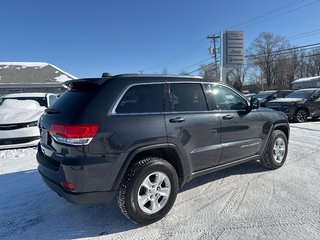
(115, 105)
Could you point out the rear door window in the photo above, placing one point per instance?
(146, 98)
(187, 97)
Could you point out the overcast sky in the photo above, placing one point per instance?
(88, 37)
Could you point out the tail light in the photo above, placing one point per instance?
(68, 185)
(79, 134)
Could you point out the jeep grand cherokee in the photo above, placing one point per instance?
(140, 138)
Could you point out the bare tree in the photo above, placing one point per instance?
(302, 68)
(265, 52)
(238, 73)
(314, 63)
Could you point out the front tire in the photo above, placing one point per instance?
(148, 190)
(301, 115)
(277, 150)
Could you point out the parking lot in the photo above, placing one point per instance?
(243, 202)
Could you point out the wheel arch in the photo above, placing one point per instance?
(284, 127)
(167, 152)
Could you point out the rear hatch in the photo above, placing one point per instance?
(63, 126)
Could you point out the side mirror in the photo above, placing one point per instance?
(254, 103)
(314, 98)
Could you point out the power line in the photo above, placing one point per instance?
(196, 64)
(290, 58)
(286, 51)
(280, 14)
(200, 68)
(305, 47)
(273, 11)
(301, 35)
(255, 20)
(182, 54)
(269, 12)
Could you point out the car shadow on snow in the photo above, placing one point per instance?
(242, 169)
(30, 210)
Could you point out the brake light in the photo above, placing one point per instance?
(78, 134)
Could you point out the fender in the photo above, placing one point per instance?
(275, 126)
(131, 155)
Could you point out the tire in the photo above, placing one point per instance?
(148, 190)
(301, 115)
(277, 150)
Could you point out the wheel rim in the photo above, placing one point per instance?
(154, 192)
(301, 116)
(279, 150)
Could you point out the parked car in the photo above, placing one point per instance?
(19, 115)
(249, 95)
(299, 105)
(265, 96)
(140, 138)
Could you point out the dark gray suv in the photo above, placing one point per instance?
(142, 137)
(299, 105)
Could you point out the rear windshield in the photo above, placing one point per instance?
(69, 102)
(300, 94)
(264, 94)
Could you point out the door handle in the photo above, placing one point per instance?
(177, 120)
(227, 117)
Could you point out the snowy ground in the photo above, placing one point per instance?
(244, 202)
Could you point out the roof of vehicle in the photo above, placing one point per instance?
(23, 95)
(307, 79)
(308, 89)
(269, 91)
(130, 75)
(134, 78)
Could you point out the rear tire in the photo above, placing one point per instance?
(148, 190)
(277, 150)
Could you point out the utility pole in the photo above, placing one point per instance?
(214, 50)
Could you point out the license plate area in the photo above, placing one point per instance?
(44, 136)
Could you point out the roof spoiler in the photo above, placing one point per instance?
(89, 84)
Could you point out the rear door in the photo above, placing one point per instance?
(192, 127)
(241, 131)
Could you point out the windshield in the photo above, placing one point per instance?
(264, 94)
(41, 100)
(300, 94)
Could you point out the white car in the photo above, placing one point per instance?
(19, 115)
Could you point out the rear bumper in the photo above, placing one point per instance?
(79, 198)
(86, 191)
